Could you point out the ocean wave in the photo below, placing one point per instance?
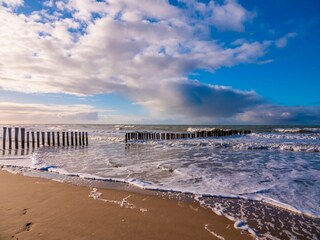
(108, 138)
(148, 185)
(121, 127)
(190, 129)
(234, 145)
(297, 130)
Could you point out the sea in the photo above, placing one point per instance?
(266, 182)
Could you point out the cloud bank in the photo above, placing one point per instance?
(142, 50)
(43, 113)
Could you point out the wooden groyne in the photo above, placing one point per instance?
(149, 136)
(35, 139)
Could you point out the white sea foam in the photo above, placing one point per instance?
(143, 210)
(191, 129)
(206, 227)
(123, 203)
(240, 224)
(297, 130)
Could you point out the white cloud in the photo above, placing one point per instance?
(46, 113)
(283, 41)
(11, 3)
(141, 49)
(115, 53)
(230, 16)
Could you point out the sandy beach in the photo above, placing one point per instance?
(35, 208)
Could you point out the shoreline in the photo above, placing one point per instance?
(252, 217)
(37, 208)
(116, 184)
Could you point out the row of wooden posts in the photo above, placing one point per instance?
(42, 138)
(145, 136)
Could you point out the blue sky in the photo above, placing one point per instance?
(158, 61)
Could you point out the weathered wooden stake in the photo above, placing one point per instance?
(43, 138)
(76, 138)
(23, 131)
(32, 139)
(67, 138)
(10, 138)
(28, 140)
(63, 139)
(4, 137)
(72, 139)
(80, 142)
(48, 139)
(38, 139)
(16, 136)
(87, 141)
(53, 139)
(58, 139)
(83, 140)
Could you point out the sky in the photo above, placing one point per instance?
(160, 61)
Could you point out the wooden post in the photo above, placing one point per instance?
(38, 139)
(48, 139)
(126, 138)
(23, 131)
(10, 138)
(43, 139)
(87, 141)
(67, 133)
(72, 140)
(63, 139)
(58, 139)
(32, 139)
(16, 135)
(53, 139)
(28, 140)
(4, 137)
(80, 142)
(76, 138)
(83, 140)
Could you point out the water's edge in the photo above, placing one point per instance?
(217, 204)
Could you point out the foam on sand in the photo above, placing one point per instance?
(206, 227)
(123, 203)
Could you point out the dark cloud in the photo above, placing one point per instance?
(196, 100)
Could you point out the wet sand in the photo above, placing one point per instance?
(36, 208)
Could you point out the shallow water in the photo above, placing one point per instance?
(279, 165)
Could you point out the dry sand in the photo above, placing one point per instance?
(34, 208)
